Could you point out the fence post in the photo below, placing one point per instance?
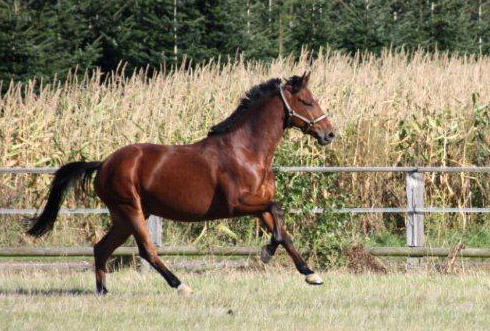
(155, 230)
(415, 220)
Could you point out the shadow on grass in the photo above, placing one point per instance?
(46, 292)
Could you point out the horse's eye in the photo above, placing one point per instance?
(307, 103)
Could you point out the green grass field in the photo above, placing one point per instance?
(245, 300)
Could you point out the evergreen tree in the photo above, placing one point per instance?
(312, 27)
(451, 27)
(216, 27)
(17, 46)
(136, 32)
(43, 39)
(261, 39)
(359, 25)
(482, 16)
(50, 37)
(405, 23)
(65, 37)
(266, 29)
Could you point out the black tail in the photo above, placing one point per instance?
(64, 178)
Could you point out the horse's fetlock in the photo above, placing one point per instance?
(304, 269)
(266, 254)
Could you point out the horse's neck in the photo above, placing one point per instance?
(261, 131)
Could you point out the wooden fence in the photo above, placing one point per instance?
(414, 209)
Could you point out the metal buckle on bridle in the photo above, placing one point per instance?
(291, 113)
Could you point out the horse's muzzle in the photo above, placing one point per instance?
(326, 138)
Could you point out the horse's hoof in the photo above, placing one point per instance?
(184, 290)
(265, 256)
(101, 291)
(314, 279)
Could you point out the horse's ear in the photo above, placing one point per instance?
(296, 83)
(305, 78)
(287, 85)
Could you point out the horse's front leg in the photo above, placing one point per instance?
(273, 216)
(268, 251)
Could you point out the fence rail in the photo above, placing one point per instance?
(227, 251)
(126, 251)
(414, 209)
(63, 211)
(428, 251)
(383, 169)
(52, 170)
(367, 210)
(318, 210)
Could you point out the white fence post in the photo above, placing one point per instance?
(414, 221)
(155, 230)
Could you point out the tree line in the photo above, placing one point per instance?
(48, 38)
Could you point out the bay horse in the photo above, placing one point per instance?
(227, 174)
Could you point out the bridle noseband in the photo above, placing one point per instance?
(291, 113)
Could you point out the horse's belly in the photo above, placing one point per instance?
(187, 196)
(183, 205)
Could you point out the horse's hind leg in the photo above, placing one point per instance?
(116, 236)
(148, 252)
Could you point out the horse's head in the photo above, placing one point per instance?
(303, 111)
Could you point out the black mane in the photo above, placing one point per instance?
(252, 97)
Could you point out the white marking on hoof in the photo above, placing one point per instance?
(314, 279)
(265, 256)
(184, 290)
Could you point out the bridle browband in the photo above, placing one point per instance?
(291, 113)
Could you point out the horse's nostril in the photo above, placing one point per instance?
(331, 135)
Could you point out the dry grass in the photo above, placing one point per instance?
(443, 102)
(270, 300)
